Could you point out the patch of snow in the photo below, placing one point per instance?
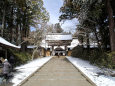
(44, 44)
(93, 72)
(31, 46)
(74, 43)
(24, 71)
(3, 41)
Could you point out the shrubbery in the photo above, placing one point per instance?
(80, 52)
(77, 51)
(111, 59)
(20, 57)
(95, 56)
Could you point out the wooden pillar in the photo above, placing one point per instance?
(52, 50)
(65, 50)
(6, 53)
(42, 52)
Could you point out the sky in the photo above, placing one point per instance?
(53, 7)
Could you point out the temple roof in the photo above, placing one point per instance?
(58, 36)
(5, 42)
(58, 39)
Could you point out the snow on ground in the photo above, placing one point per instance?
(24, 71)
(93, 72)
(74, 43)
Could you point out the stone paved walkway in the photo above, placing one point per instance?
(57, 72)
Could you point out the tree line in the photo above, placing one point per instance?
(96, 26)
(18, 16)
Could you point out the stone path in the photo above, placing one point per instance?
(57, 72)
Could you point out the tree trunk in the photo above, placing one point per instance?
(11, 34)
(97, 38)
(11, 26)
(24, 44)
(88, 44)
(3, 20)
(111, 25)
(34, 50)
(17, 35)
(24, 47)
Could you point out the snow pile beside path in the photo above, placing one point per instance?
(93, 72)
(25, 70)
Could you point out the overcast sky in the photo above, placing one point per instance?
(53, 7)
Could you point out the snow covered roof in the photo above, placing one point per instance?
(58, 36)
(31, 46)
(3, 41)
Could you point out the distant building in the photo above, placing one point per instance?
(60, 43)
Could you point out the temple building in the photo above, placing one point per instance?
(59, 44)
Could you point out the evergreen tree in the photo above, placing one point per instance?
(18, 16)
(94, 14)
(58, 28)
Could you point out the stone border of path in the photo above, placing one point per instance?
(32, 74)
(87, 78)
